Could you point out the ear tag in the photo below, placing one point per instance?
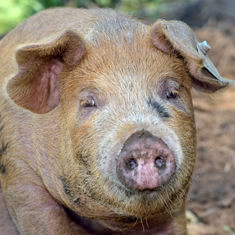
(202, 49)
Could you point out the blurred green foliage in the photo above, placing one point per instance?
(12, 12)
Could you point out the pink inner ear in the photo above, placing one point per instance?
(53, 94)
(159, 39)
(43, 93)
(162, 45)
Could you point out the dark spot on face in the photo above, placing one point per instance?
(158, 107)
(73, 197)
(82, 159)
(2, 168)
(129, 193)
(66, 187)
(84, 162)
(3, 148)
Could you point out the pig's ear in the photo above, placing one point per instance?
(36, 85)
(175, 37)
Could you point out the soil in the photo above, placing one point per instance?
(211, 200)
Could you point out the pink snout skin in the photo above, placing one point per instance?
(145, 162)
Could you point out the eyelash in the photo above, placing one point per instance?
(88, 103)
(172, 94)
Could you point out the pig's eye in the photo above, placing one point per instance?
(170, 94)
(88, 103)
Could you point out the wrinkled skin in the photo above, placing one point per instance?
(86, 100)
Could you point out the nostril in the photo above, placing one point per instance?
(160, 161)
(131, 164)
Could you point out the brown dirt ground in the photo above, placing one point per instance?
(212, 195)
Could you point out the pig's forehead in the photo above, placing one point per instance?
(125, 62)
(121, 48)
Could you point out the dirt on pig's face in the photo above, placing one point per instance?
(128, 131)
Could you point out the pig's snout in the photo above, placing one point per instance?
(145, 162)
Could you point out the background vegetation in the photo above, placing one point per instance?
(12, 12)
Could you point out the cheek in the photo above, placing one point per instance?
(187, 98)
(84, 134)
(183, 124)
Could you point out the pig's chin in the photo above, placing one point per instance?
(119, 206)
(129, 211)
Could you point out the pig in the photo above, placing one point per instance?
(97, 129)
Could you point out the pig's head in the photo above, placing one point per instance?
(128, 140)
